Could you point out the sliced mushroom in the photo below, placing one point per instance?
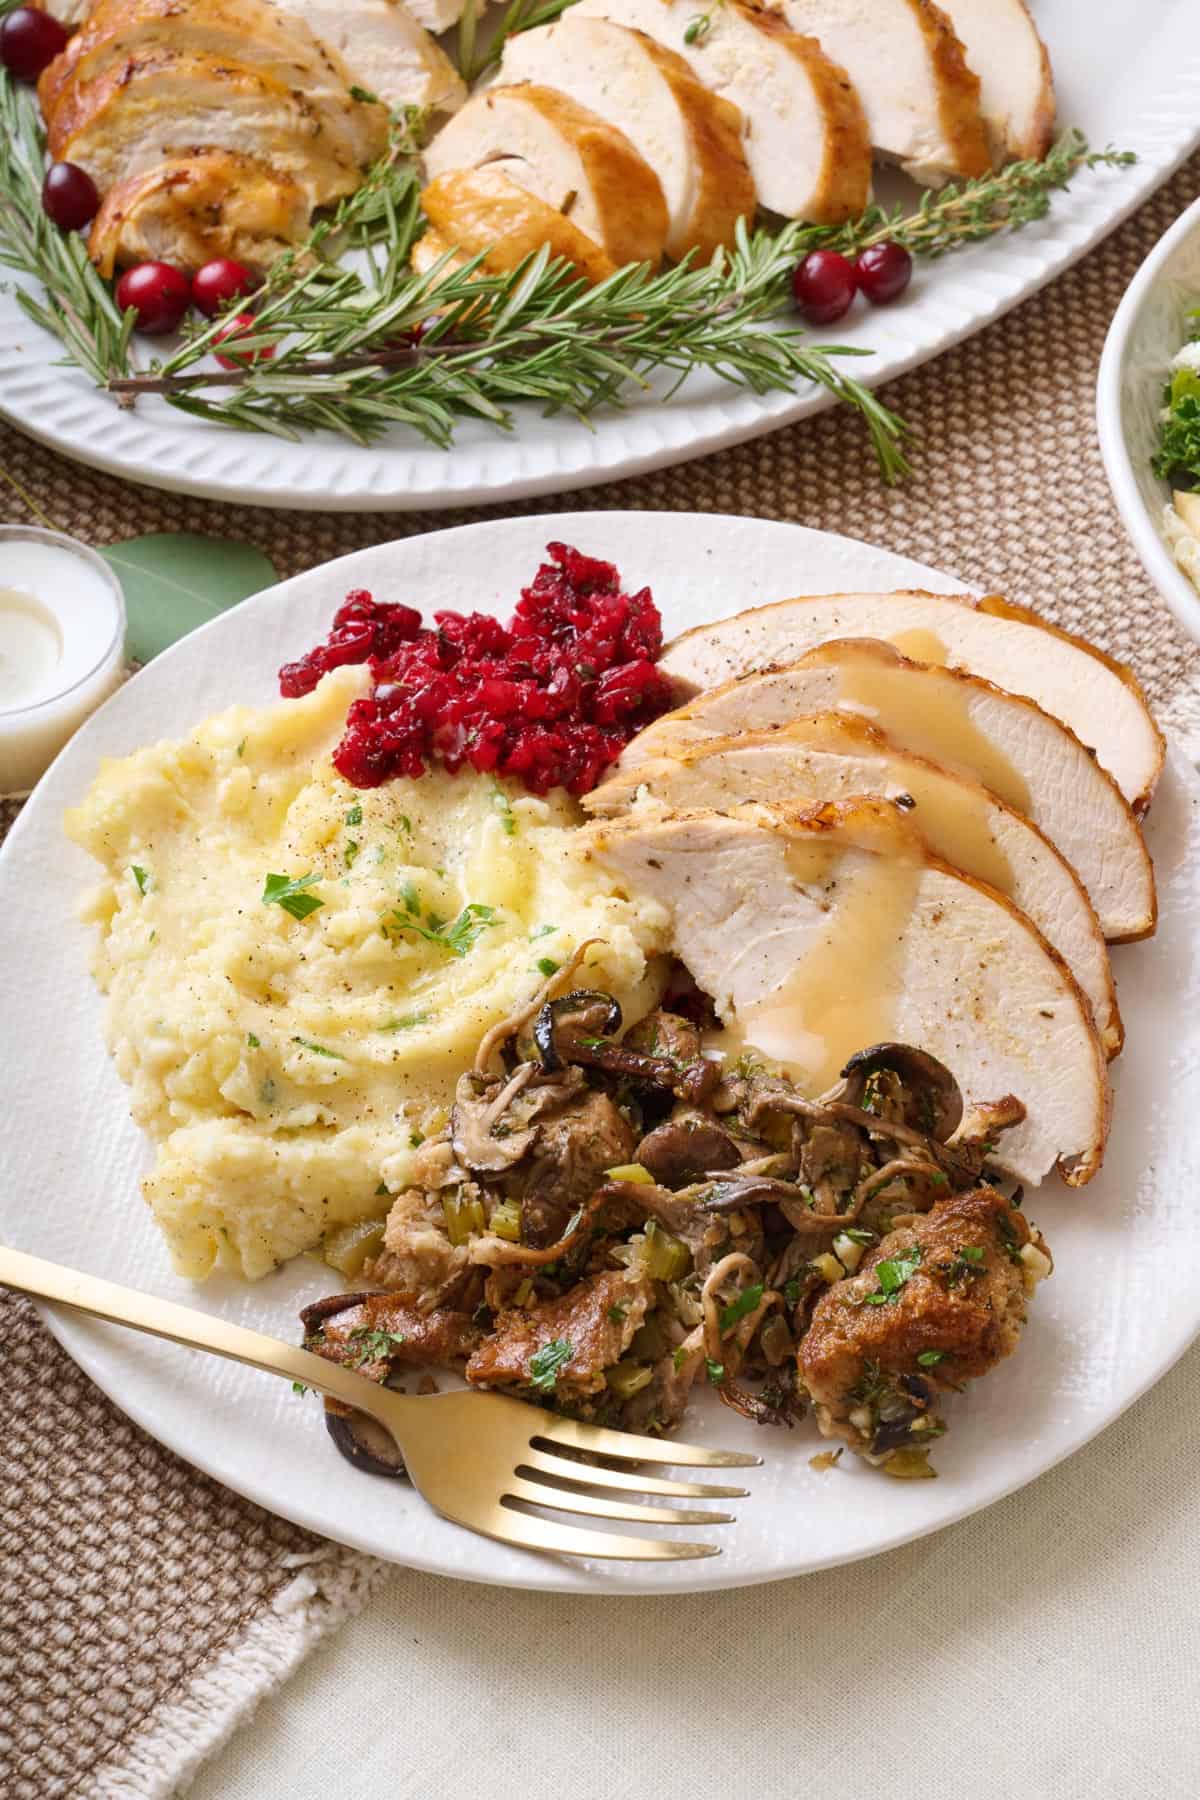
(364, 1443)
(929, 1098)
(684, 1148)
(579, 1028)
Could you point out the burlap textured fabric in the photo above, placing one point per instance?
(142, 1608)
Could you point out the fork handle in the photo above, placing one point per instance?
(183, 1325)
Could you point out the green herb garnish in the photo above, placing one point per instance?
(457, 937)
(318, 1049)
(376, 1345)
(288, 891)
(503, 806)
(407, 1022)
(545, 1364)
(354, 815)
(616, 1314)
(929, 1359)
(893, 1274)
(547, 966)
(350, 852)
(714, 1370)
(140, 876)
(740, 1308)
(253, 1041)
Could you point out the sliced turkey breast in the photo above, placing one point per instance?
(920, 98)
(435, 15)
(389, 52)
(817, 934)
(474, 210)
(1006, 741)
(254, 35)
(166, 104)
(1096, 696)
(1017, 88)
(836, 756)
(187, 210)
(569, 157)
(691, 138)
(806, 138)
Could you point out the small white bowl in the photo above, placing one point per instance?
(1149, 327)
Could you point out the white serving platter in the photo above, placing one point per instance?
(1121, 1308)
(1128, 75)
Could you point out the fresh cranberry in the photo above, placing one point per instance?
(241, 325)
(69, 196)
(220, 281)
(823, 286)
(159, 294)
(884, 271)
(29, 42)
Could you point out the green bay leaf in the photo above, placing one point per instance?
(177, 580)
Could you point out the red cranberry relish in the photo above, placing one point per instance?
(551, 699)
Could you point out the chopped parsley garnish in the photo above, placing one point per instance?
(298, 1387)
(714, 1370)
(547, 966)
(680, 1357)
(354, 816)
(253, 1041)
(375, 1345)
(406, 824)
(968, 1260)
(503, 806)
(542, 931)
(740, 1308)
(546, 1363)
(929, 1359)
(318, 1049)
(364, 95)
(288, 891)
(406, 1022)
(858, 1236)
(140, 876)
(893, 1274)
(241, 747)
(791, 1291)
(381, 1189)
(616, 1315)
(350, 852)
(457, 936)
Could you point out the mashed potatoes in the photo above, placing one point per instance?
(287, 1065)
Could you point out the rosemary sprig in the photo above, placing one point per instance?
(962, 213)
(75, 304)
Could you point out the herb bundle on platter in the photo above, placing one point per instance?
(359, 346)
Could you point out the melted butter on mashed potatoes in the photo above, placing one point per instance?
(285, 1067)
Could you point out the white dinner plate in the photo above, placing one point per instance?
(1128, 75)
(1122, 1306)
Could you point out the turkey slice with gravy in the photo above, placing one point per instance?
(835, 756)
(1006, 741)
(1096, 696)
(819, 933)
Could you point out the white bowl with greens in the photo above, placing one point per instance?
(1148, 411)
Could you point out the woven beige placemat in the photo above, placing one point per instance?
(143, 1609)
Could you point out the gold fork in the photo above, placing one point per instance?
(478, 1459)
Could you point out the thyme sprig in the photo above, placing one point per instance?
(475, 58)
(356, 350)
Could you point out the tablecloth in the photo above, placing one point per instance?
(1050, 1645)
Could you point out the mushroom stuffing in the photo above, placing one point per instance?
(612, 1216)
